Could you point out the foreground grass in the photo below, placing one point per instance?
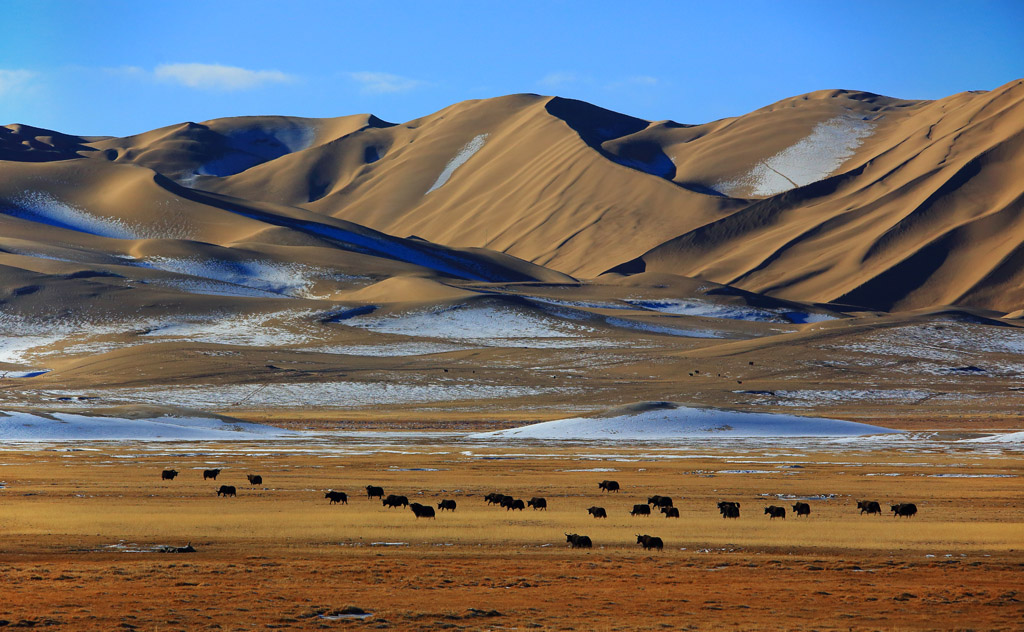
(279, 556)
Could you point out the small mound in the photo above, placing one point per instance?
(406, 290)
(24, 426)
(666, 421)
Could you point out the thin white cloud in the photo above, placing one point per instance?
(15, 81)
(218, 77)
(384, 82)
(125, 71)
(643, 80)
(559, 79)
(636, 81)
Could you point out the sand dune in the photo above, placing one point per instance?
(832, 196)
(524, 255)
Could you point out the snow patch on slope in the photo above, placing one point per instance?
(813, 158)
(46, 209)
(664, 421)
(460, 159)
(243, 278)
(472, 324)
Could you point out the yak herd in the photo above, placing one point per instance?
(727, 508)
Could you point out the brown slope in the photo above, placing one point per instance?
(225, 146)
(540, 187)
(928, 212)
(97, 211)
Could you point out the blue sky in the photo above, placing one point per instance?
(121, 67)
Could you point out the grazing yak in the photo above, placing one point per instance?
(446, 504)
(670, 512)
(650, 542)
(168, 475)
(729, 509)
(254, 479)
(597, 512)
(641, 510)
(802, 509)
(226, 490)
(422, 511)
(660, 501)
(515, 504)
(609, 486)
(869, 506)
(395, 501)
(538, 503)
(374, 492)
(903, 510)
(207, 474)
(337, 497)
(774, 512)
(577, 541)
(494, 498)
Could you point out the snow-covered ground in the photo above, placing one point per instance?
(710, 310)
(680, 422)
(812, 397)
(21, 426)
(458, 160)
(274, 329)
(46, 209)
(391, 350)
(662, 329)
(319, 394)
(944, 340)
(43, 208)
(484, 325)
(810, 159)
(242, 278)
(1010, 437)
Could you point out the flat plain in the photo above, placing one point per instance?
(83, 527)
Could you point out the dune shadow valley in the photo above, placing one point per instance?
(521, 363)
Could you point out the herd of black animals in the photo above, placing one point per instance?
(728, 508)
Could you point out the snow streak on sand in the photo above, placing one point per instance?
(460, 159)
(21, 426)
(46, 209)
(813, 158)
(667, 422)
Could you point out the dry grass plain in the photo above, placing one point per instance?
(79, 526)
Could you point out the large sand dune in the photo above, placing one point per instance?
(829, 196)
(525, 255)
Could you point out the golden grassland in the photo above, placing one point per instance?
(279, 555)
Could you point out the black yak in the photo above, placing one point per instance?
(337, 497)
